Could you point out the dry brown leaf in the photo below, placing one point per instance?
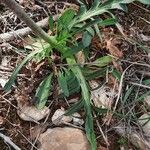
(113, 50)
(80, 57)
(112, 82)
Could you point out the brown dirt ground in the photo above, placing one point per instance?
(20, 131)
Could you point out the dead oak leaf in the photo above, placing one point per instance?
(113, 49)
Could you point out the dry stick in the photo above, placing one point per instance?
(102, 133)
(16, 8)
(7, 140)
(140, 85)
(5, 37)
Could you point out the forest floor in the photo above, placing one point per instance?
(133, 89)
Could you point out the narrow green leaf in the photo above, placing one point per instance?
(51, 23)
(87, 25)
(90, 131)
(86, 39)
(128, 93)
(66, 18)
(146, 82)
(116, 74)
(87, 105)
(94, 74)
(100, 110)
(97, 30)
(15, 72)
(82, 8)
(107, 22)
(91, 31)
(62, 80)
(42, 91)
(103, 61)
(74, 108)
(95, 4)
(99, 22)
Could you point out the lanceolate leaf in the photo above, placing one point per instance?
(75, 107)
(91, 75)
(99, 22)
(51, 23)
(62, 80)
(103, 61)
(128, 93)
(15, 72)
(87, 105)
(66, 18)
(86, 39)
(116, 74)
(95, 4)
(42, 91)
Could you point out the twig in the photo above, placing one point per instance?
(135, 63)
(141, 7)
(27, 140)
(148, 22)
(100, 129)
(5, 37)
(141, 85)
(7, 140)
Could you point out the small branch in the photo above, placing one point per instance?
(5, 37)
(16, 8)
(140, 85)
(7, 140)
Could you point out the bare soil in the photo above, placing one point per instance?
(135, 23)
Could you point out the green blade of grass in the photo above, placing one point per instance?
(89, 128)
(74, 108)
(63, 83)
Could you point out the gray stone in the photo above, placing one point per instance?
(63, 139)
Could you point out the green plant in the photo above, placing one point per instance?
(67, 26)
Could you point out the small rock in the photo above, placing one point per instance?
(27, 111)
(64, 139)
(31, 113)
(77, 119)
(58, 118)
(144, 121)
